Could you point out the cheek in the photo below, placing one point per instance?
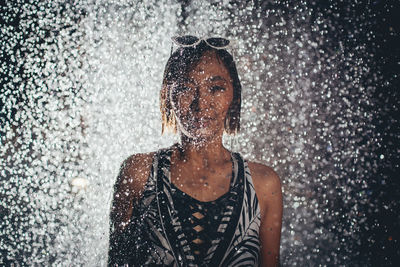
(182, 102)
(224, 101)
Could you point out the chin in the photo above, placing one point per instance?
(198, 134)
(203, 135)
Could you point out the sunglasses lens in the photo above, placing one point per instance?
(186, 39)
(218, 42)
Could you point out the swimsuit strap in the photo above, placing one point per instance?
(171, 211)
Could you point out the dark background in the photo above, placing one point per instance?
(380, 33)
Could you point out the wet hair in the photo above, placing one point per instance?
(180, 63)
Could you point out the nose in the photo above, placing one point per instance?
(194, 106)
(201, 100)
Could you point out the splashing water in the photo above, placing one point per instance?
(80, 93)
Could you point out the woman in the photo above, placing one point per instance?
(197, 203)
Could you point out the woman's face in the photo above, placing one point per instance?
(202, 100)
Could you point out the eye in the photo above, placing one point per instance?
(183, 88)
(217, 88)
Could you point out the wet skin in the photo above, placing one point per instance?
(204, 170)
(201, 103)
(203, 99)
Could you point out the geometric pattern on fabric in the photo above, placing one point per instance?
(158, 234)
(198, 220)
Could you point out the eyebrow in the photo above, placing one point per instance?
(188, 80)
(211, 79)
(216, 78)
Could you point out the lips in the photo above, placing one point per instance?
(201, 123)
(204, 123)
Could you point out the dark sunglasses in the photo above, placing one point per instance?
(190, 40)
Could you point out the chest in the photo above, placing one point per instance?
(205, 184)
(208, 232)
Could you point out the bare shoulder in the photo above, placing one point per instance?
(267, 185)
(269, 193)
(128, 188)
(135, 171)
(137, 163)
(263, 174)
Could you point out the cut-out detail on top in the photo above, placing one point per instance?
(198, 215)
(198, 228)
(228, 236)
(199, 219)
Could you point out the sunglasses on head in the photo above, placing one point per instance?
(190, 40)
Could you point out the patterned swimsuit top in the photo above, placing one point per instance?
(170, 228)
(198, 219)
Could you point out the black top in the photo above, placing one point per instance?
(199, 220)
(170, 228)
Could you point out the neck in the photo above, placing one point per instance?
(204, 151)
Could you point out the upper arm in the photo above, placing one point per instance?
(269, 193)
(128, 188)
